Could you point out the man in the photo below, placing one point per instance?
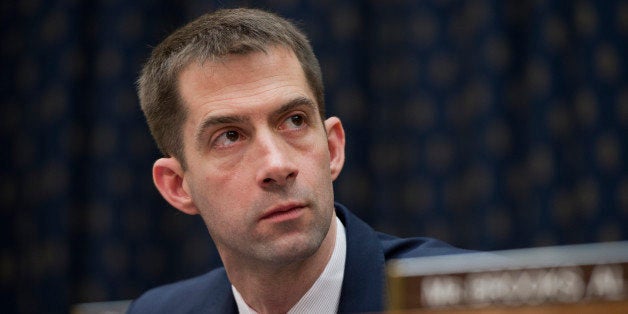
(235, 102)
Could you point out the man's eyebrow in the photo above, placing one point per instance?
(294, 104)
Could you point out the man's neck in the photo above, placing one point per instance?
(277, 288)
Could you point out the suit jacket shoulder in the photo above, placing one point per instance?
(394, 247)
(209, 293)
(364, 286)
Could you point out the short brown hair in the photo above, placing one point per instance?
(208, 38)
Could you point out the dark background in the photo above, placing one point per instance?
(488, 124)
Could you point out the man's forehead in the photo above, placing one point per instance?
(233, 61)
(232, 71)
(228, 86)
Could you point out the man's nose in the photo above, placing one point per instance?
(277, 168)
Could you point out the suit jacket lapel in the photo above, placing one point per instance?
(219, 298)
(363, 283)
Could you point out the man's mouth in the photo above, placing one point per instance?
(283, 212)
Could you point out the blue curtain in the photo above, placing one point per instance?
(488, 124)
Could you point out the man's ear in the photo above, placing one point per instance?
(168, 177)
(336, 143)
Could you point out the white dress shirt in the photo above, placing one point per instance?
(324, 295)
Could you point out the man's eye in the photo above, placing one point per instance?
(297, 120)
(227, 139)
(232, 135)
(294, 122)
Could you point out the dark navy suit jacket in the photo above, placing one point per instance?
(363, 287)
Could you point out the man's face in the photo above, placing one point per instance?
(259, 168)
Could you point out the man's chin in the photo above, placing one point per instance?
(291, 249)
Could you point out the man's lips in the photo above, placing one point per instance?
(286, 211)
